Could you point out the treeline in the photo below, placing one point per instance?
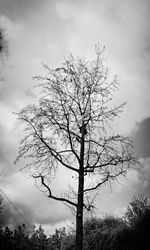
(132, 232)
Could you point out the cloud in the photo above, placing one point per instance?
(141, 183)
(16, 215)
(17, 9)
(122, 27)
(141, 138)
(144, 174)
(46, 31)
(33, 205)
(137, 180)
(7, 150)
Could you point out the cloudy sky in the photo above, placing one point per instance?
(47, 31)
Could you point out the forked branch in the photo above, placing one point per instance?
(108, 177)
(50, 195)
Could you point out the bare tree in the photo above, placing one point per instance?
(71, 128)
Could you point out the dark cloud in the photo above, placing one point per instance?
(43, 212)
(17, 9)
(142, 184)
(141, 138)
(17, 215)
(1, 41)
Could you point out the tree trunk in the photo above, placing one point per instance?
(79, 214)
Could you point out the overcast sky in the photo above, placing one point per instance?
(47, 31)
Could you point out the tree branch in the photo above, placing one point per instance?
(106, 179)
(53, 152)
(50, 193)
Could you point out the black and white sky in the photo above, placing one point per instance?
(47, 31)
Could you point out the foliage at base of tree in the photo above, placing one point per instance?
(107, 233)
